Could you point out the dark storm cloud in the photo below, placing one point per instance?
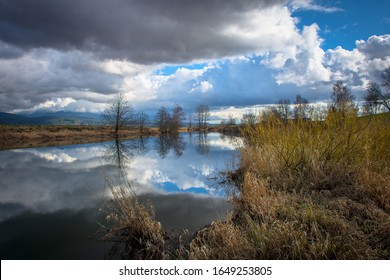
(139, 30)
(9, 52)
(45, 74)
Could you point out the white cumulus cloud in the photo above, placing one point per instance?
(311, 5)
(55, 104)
(305, 66)
(203, 86)
(364, 63)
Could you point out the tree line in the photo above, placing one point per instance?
(375, 100)
(119, 113)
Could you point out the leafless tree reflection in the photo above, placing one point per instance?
(121, 152)
(165, 142)
(118, 153)
(202, 145)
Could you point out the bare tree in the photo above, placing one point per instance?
(283, 109)
(177, 119)
(300, 107)
(202, 116)
(232, 121)
(162, 120)
(190, 122)
(375, 97)
(118, 112)
(385, 97)
(141, 120)
(342, 97)
(371, 99)
(386, 79)
(249, 118)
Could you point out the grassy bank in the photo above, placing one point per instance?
(307, 190)
(22, 136)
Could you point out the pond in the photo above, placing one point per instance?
(50, 197)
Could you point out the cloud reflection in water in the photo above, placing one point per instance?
(45, 182)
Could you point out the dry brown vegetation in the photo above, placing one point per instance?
(23, 136)
(308, 190)
(131, 225)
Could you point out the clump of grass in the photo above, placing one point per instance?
(267, 224)
(220, 240)
(308, 190)
(132, 226)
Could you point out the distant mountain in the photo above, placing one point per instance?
(63, 114)
(51, 118)
(6, 118)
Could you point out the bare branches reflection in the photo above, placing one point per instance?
(202, 144)
(165, 142)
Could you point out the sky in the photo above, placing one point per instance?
(233, 55)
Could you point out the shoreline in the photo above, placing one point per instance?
(34, 136)
(31, 136)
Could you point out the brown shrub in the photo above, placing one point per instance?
(308, 190)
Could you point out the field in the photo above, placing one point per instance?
(24, 136)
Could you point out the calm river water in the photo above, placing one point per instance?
(50, 197)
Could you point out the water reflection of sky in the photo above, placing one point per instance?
(43, 173)
(44, 183)
(189, 172)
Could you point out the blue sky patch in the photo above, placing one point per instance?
(171, 187)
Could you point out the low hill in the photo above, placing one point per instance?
(55, 118)
(6, 118)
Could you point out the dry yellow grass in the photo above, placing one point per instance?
(131, 225)
(308, 190)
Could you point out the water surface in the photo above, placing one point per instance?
(50, 197)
